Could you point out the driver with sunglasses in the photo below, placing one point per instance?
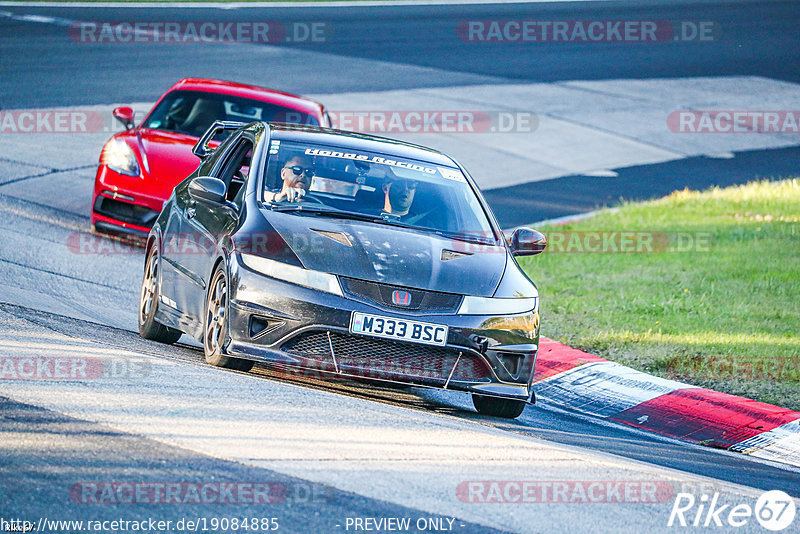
(398, 195)
(296, 174)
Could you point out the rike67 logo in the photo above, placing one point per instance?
(774, 510)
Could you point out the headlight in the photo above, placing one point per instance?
(294, 275)
(493, 306)
(118, 156)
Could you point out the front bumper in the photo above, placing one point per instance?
(306, 332)
(119, 204)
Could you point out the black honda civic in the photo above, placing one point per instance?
(356, 256)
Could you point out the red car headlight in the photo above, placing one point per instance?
(118, 156)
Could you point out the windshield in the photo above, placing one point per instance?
(379, 188)
(192, 112)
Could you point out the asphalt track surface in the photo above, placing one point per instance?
(51, 296)
(408, 47)
(418, 45)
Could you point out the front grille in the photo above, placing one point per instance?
(381, 294)
(125, 212)
(379, 358)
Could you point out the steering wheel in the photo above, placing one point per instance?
(308, 198)
(172, 120)
(175, 116)
(311, 197)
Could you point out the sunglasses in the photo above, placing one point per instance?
(298, 170)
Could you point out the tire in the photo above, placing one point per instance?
(505, 408)
(149, 328)
(215, 324)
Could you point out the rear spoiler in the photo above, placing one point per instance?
(201, 148)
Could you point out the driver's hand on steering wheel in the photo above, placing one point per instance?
(290, 194)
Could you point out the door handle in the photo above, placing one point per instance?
(190, 213)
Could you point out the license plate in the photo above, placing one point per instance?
(400, 329)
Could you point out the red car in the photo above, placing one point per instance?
(140, 166)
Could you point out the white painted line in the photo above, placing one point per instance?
(36, 18)
(602, 173)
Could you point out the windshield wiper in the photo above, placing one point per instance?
(316, 210)
(467, 238)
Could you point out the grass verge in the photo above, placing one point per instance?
(706, 292)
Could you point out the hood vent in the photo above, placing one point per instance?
(452, 254)
(339, 237)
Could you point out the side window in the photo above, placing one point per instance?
(207, 165)
(272, 177)
(210, 162)
(236, 169)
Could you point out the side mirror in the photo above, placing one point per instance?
(124, 115)
(526, 242)
(208, 189)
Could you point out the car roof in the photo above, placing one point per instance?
(297, 102)
(357, 141)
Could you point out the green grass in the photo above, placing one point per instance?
(723, 315)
